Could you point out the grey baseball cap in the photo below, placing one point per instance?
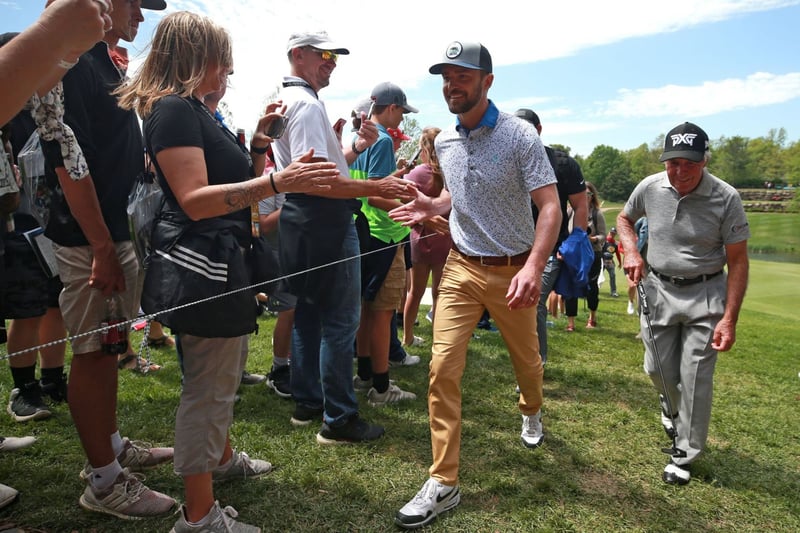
(465, 54)
(318, 39)
(387, 93)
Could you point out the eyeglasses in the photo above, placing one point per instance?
(326, 55)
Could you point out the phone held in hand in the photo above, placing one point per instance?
(277, 127)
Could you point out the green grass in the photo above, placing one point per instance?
(598, 470)
(773, 235)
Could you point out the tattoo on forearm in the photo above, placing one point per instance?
(242, 195)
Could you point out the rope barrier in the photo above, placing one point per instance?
(153, 316)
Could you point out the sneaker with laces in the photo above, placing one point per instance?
(252, 379)
(393, 394)
(279, 380)
(352, 431)
(432, 500)
(9, 444)
(7, 495)
(26, 403)
(416, 342)
(675, 474)
(408, 360)
(361, 385)
(241, 467)
(127, 498)
(304, 415)
(56, 390)
(532, 433)
(136, 456)
(218, 520)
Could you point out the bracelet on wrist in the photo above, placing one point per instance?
(356, 150)
(272, 182)
(259, 151)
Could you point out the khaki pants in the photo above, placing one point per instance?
(212, 370)
(465, 290)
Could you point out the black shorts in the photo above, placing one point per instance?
(28, 290)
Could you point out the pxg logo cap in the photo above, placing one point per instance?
(687, 141)
(464, 54)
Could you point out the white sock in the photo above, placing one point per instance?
(279, 361)
(104, 477)
(116, 443)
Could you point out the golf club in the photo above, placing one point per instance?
(674, 451)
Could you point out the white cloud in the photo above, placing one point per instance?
(708, 98)
(515, 32)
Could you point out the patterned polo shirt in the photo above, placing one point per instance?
(490, 172)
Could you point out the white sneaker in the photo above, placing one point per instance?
(631, 308)
(408, 360)
(429, 316)
(222, 520)
(241, 466)
(8, 444)
(532, 434)
(417, 341)
(127, 498)
(361, 385)
(393, 394)
(7, 495)
(676, 474)
(432, 500)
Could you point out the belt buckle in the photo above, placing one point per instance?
(677, 280)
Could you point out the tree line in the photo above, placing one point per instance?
(740, 161)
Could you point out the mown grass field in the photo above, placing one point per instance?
(598, 470)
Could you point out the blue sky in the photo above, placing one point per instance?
(618, 73)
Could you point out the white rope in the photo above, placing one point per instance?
(154, 316)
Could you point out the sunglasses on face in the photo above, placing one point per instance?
(326, 55)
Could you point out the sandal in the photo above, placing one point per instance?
(591, 324)
(160, 342)
(570, 329)
(136, 364)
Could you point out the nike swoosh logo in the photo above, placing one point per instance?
(441, 497)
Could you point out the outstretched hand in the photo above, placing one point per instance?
(306, 177)
(418, 210)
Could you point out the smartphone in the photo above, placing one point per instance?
(356, 116)
(277, 127)
(413, 161)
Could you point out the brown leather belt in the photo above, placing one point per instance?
(495, 260)
(680, 281)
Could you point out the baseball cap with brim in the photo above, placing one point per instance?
(317, 39)
(388, 93)
(397, 134)
(464, 54)
(155, 5)
(686, 141)
(529, 115)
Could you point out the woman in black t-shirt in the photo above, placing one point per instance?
(206, 177)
